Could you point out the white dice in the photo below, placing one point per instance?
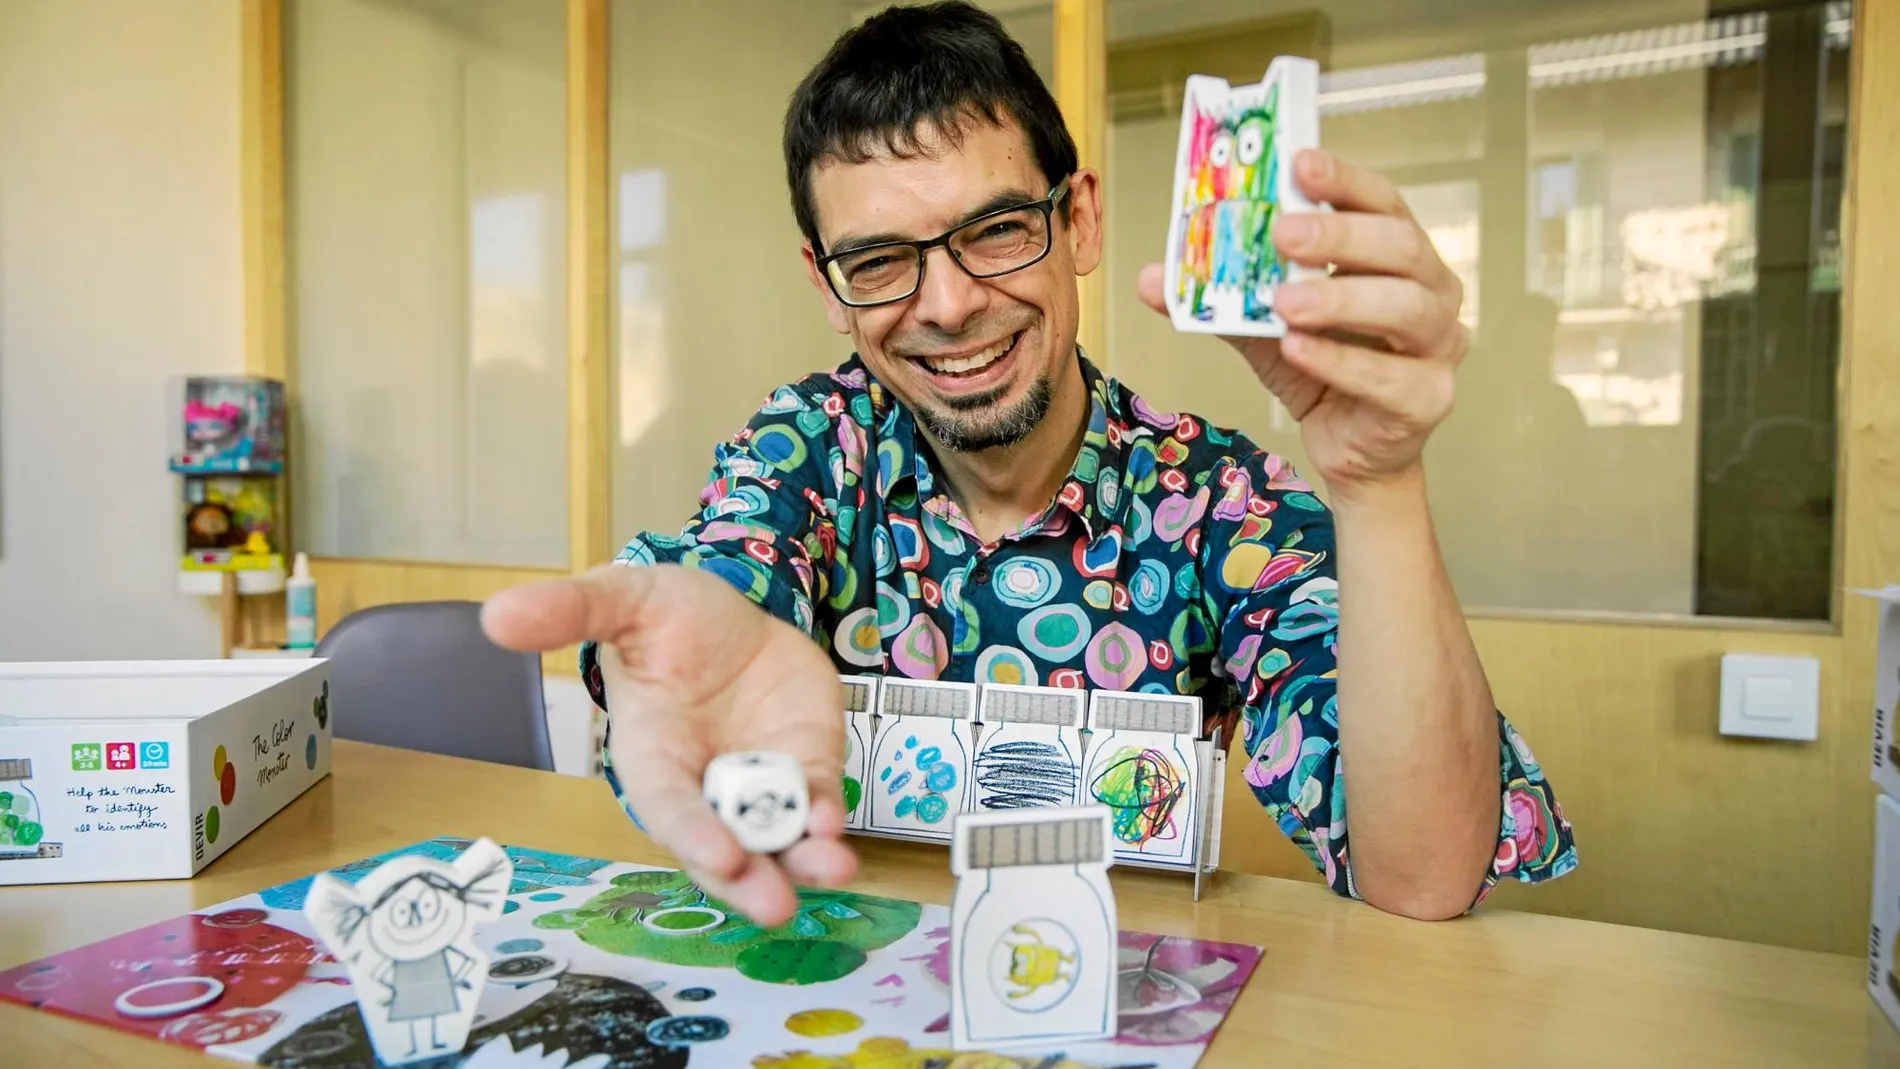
(760, 795)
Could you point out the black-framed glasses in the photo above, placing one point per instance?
(989, 245)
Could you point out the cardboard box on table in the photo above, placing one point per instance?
(1883, 971)
(147, 770)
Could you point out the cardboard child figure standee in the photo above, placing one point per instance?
(406, 933)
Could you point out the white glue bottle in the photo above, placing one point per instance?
(300, 607)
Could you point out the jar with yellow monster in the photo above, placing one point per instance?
(1033, 939)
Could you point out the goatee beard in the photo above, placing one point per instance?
(987, 430)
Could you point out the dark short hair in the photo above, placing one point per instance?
(941, 63)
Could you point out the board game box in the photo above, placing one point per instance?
(610, 965)
(150, 770)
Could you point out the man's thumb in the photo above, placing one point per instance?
(1148, 287)
(556, 613)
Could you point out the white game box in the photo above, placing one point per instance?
(1886, 763)
(148, 770)
(1883, 971)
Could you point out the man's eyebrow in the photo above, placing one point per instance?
(1001, 199)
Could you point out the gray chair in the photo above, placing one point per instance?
(423, 676)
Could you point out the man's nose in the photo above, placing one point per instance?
(947, 297)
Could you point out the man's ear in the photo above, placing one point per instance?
(1084, 209)
(834, 308)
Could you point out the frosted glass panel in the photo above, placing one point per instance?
(426, 239)
(1643, 202)
(713, 307)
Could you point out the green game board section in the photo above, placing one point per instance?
(664, 916)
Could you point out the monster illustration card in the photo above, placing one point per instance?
(1233, 177)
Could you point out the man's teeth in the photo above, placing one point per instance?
(970, 363)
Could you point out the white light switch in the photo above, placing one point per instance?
(1771, 697)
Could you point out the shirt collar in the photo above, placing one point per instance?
(1102, 453)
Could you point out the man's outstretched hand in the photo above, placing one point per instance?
(692, 669)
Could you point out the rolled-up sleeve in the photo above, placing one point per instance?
(1269, 582)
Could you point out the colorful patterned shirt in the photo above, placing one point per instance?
(1177, 558)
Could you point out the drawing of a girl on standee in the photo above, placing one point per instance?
(406, 935)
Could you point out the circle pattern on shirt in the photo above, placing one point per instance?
(1177, 514)
(1148, 587)
(746, 576)
(1108, 489)
(1055, 632)
(893, 610)
(920, 651)
(890, 453)
(1006, 664)
(882, 555)
(857, 639)
(941, 534)
(1141, 466)
(907, 537)
(1116, 657)
(1140, 522)
(1026, 582)
(779, 447)
(744, 501)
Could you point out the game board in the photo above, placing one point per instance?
(610, 965)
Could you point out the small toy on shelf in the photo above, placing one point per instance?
(231, 454)
(232, 425)
(231, 524)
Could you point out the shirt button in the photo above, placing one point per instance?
(981, 573)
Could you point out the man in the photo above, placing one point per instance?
(968, 498)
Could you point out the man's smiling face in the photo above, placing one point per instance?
(978, 360)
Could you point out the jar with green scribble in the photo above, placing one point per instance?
(21, 823)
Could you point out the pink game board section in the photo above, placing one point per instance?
(246, 961)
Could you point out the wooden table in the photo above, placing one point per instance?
(1341, 984)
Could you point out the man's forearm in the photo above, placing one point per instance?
(1417, 725)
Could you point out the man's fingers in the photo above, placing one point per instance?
(561, 612)
(759, 889)
(819, 863)
(1328, 179)
(1362, 243)
(1399, 311)
(1148, 286)
(665, 787)
(1418, 392)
